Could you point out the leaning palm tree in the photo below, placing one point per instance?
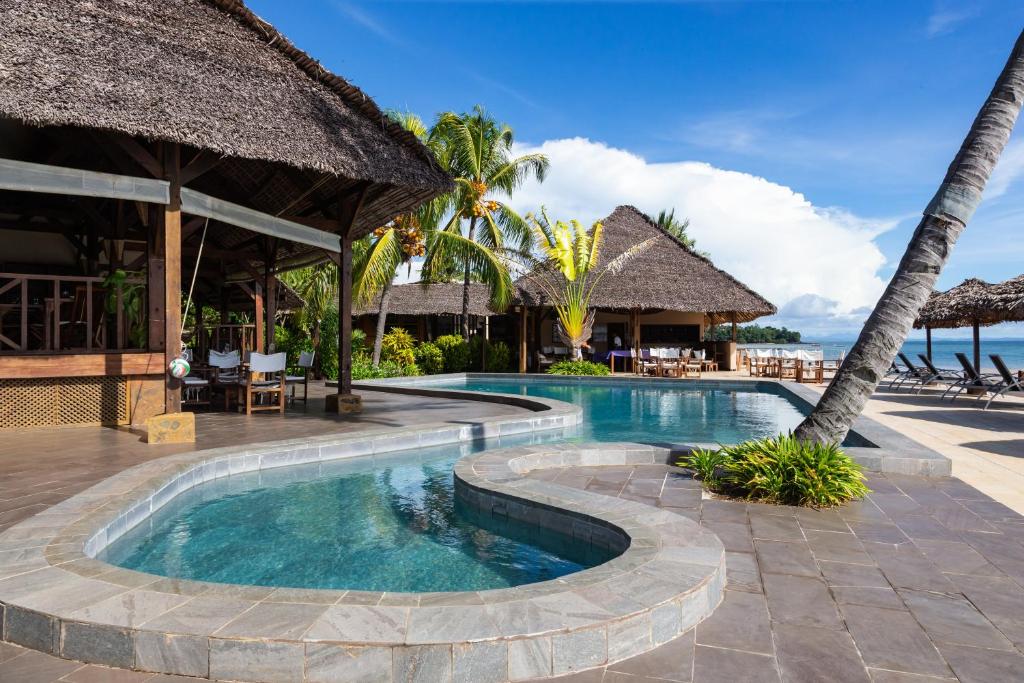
(570, 271)
(944, 219)
(477, 151)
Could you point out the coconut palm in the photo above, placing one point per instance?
(477, 151)
(571, 270)
(944, 219)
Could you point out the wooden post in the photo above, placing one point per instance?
(977, 347)
(258, 290)
(344, 401)
(171, 154)
(155, 279)
(270, 287)
(522, 340)
(928, 341)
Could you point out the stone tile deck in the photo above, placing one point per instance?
(42, 467)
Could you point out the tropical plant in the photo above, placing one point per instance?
(668, 222)
(944, 219)
(499, 357)
(429, 358)
(133, 292)
(363, 368)
(455, 351)
(782, 469)
(318, 287)
(398, 346)
(477, 151)
(705, 463)
(579, 367)
(570, 272)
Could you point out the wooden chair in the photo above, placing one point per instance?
(225, 369)
(265, 377)
(305, 364)
(195, 385)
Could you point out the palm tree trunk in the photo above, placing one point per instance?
(465, 284)
(382, 316)
(944, 219)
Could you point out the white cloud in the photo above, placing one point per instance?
(803, 258)
(943, 21)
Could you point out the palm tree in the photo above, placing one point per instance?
(668, 222)
(944, 219)
(377, 257)
(477, 151)
(569, 273)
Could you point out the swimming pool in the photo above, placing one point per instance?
(655, 412)
(374, 524)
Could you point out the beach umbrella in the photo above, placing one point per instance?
(973, 303)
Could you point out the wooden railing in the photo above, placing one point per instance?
(33, 320)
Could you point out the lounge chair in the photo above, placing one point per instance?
(304, 366)
(943, 375)
(1008, 381)
(914, 375)
(972, 379)
(266, 377)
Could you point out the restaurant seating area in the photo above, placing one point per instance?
(798, 365)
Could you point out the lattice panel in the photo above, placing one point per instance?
(52, 402)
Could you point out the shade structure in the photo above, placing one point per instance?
(974, 303)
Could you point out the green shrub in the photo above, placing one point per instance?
(397, 346)
(455, 351)
(578, 367)
(359, 341)
(429, 358)
(499, 357)
(705, 464)
(362, 368)
(475, 355)
(783, 470)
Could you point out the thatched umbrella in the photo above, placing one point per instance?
(973, 303)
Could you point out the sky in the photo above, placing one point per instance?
(802, 139)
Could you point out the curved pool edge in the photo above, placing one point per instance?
(55, 598)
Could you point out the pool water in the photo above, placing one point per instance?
(374, 524)
(658, 413)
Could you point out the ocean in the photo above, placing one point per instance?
(1012, 350)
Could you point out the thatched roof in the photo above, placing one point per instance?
(431, 299)
(210, 75)
(974, 300)
(666, 276)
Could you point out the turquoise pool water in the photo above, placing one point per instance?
(662, 413)
(366, 524)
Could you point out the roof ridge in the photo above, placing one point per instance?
(347, 92)
(688, 250)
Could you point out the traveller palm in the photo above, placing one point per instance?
(944, 219)
(570, 270)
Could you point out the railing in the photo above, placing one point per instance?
(59, 314)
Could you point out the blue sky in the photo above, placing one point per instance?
(855, 108)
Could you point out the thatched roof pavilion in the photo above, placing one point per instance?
(134, 134)
(443, 298)
(667, 276)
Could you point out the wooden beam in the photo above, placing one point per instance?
(32, 366)
(348, 212)
(23, 176)
(260, 348)
(142, 156)
(320, 223)
(172, 274)
(522, 340)
(199, 204)
(201, 163)
(270, 287)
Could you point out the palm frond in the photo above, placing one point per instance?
(488, 267)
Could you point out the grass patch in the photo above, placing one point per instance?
(782, 470)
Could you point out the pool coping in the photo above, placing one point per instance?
(891, 452)
(55, 597)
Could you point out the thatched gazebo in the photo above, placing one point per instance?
(667, 294)
(973, 303)
(426, 309)
(134, 134)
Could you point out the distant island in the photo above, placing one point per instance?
(755, 334)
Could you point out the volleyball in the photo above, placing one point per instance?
(179, 367)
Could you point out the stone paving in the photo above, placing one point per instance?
(920, 582)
